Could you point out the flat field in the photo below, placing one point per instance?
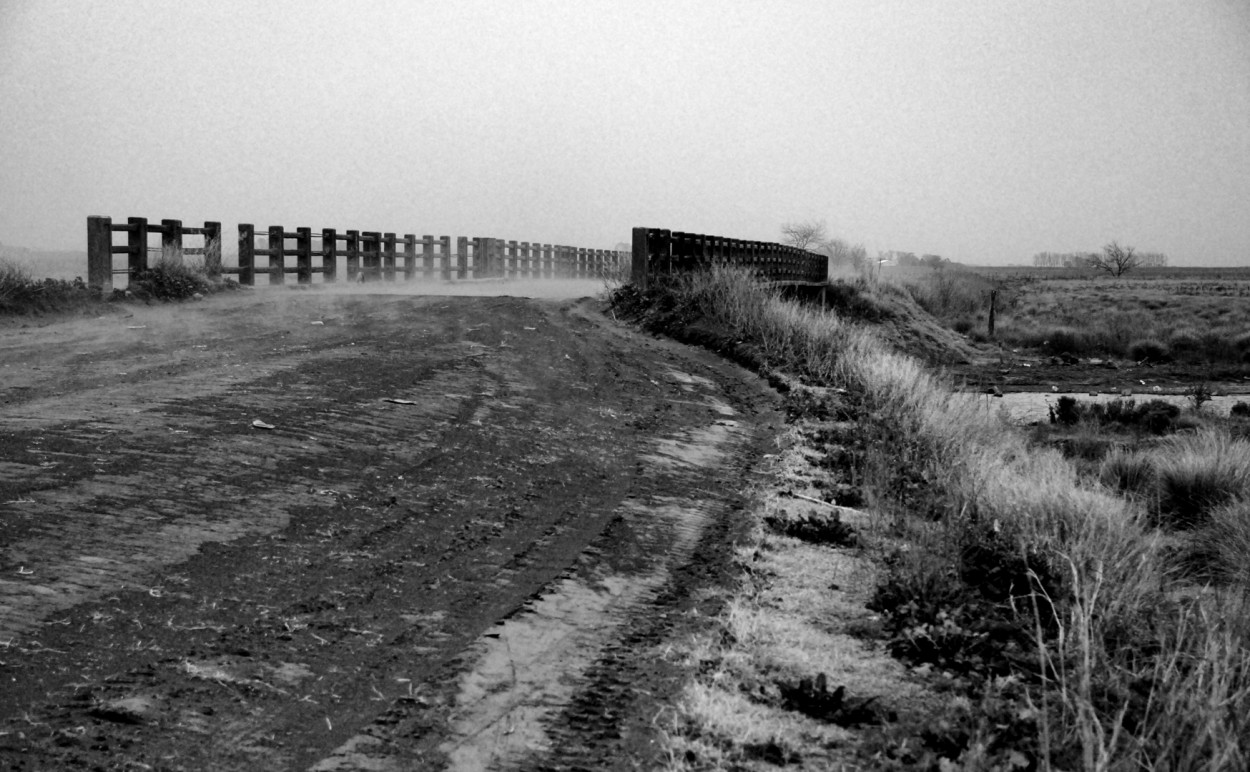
(1165, 327)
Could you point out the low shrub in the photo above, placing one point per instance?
(1242, 343)
(1240, 410)
(1155, 416)
(853, 300)
(1195, 473)
(1149, 350)
(21, 294)
(1225, 542)
(1065, 340)
(171, 279)
(1126, 472)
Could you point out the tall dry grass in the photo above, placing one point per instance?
(1133, 676)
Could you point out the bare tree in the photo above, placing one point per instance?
(1115, 259)
(810, 235)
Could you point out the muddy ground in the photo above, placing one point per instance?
(298, 530)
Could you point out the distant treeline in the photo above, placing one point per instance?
(1086, 259)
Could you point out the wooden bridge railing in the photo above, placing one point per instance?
(659, 252)
(363, 255)
(100, 249)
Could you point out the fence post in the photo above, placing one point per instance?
(277, 255)
(171, 241)
(444, 259)
(462, 257)
(137, 239)
(352, 246)
(247, 254)
(100, 254)
(303, 255)
(212, 249)
(993, 303)
(371, 259)
(388, 256)
(329, 254)
(410, 256)
(524, 268)
(638, 260)
(427, 256)
(480, 259)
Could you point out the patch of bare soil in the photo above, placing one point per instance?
(294, 530)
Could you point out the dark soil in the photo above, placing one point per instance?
(1025, 371)
(281, 530)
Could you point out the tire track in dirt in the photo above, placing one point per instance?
(319, 593)
(96, 532)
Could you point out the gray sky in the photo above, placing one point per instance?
(980, 131)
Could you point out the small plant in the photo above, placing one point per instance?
(21, 294)
(1198, 395)
(1149, 350)
(1225, 541)
(855, 301)
(1195, 473)
(1126, 472)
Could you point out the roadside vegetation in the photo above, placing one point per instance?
(1057, 607)
(172, 276)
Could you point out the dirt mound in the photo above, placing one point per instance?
(912, 330)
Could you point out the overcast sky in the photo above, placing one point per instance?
(980, 131)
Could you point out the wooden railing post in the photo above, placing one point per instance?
(525, 266)
(277, 255)
(100, 254)
(247, 254)
(352, 247)
(171, 241)
(212, 249)
(462, 257)
(371, 257)
(427, 257)
(388, 256)
(445, 257)
(137, 240)
(410, 256)
(638, 260)
(329, 254)
(479, 258)
(303, 255)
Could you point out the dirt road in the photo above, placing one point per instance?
(297, 530)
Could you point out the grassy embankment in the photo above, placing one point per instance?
(1051, 619)
(173, 276)
(1198, 317)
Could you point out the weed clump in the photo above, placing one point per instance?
(171, 279)
(1149, 351)
(21, 294)
(1126, 472)
(853, 301)
(1196, 473)
(1154, 416)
